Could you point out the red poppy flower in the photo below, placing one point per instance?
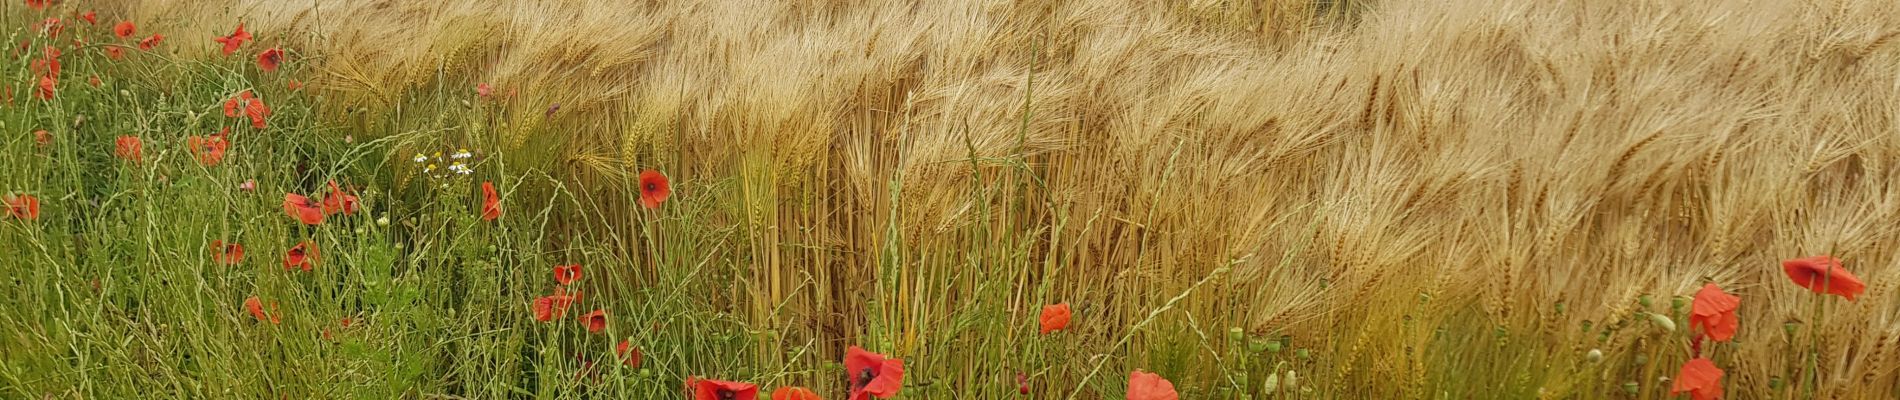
(1700, 378)
(794, 393)
(256, 111)
(90, 16)
(1714, 312)
(232, 105)
(596, 321)
(491, 202)
(47, 84)
(208, 150)
(628, 354)
(873, 375)
(269, 59)
(1054, 317)
(51, 26)
(23, 206)
(42, 137)
(236, 39)
(653, 189)
(567, 274)
(124, 29)
(94, 80)
(46, 67)
(115, 52)
(129, 148)
(1824, 274)
(302, 209)
(710, 389)
(1022, 383)
(547, 308)
(302, 256)
(1147, 386)
(482, 90)
(38, 4)
(49, 64)
(150, 42)
(256, 307)
(294, 85)
(339, 201)
(227, 253)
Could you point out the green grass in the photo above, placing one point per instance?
(114, 292)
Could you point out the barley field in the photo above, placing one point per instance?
(983, 199)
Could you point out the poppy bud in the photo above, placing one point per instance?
(360, 230)
(382, 221)
(1292, 379)
(1594, 355)
(1271, 384)
(1236, 334)
(1644, 300)
(1663, 321)
(126, 93)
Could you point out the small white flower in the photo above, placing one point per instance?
(461, 154)
(421, 158)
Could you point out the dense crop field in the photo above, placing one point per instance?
(1047, 199)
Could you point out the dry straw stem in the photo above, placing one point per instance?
(1577, 151)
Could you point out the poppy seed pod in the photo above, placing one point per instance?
(1236, 334)
(1663, 321)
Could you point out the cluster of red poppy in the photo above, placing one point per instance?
(48, 68)
(1712, 317)
(870, 375)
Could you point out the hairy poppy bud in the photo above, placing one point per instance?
(1271, 384)
(1594, 355)
(1663, 321)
